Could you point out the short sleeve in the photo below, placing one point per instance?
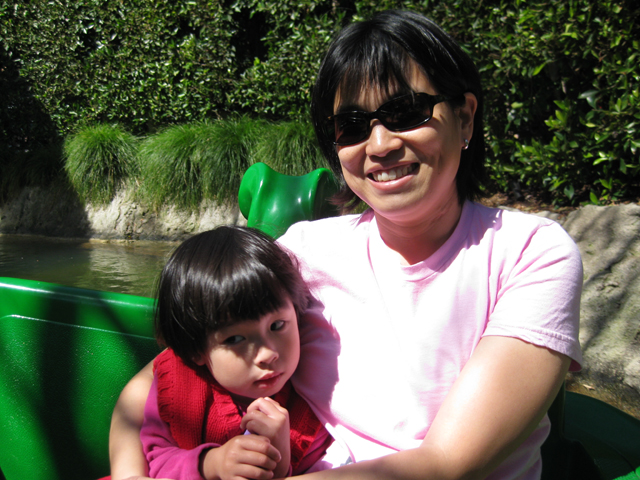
(538, 299)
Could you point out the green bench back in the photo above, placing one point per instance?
(65, 354)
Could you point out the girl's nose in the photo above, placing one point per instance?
(267, 354)
(381, 141)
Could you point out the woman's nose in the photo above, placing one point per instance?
(381, 140)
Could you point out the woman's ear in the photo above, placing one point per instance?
(466, 113)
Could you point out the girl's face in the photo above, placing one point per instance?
(408, 176)
(255, 358)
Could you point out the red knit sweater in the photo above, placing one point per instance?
(198, 410)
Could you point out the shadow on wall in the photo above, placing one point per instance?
(609, 241)
(54, 211)
(31, 166)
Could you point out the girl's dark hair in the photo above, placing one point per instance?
(380, 53)
(219, 277)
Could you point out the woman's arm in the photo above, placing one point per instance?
(125, 449)
(499, 398)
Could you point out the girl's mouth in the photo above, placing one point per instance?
(393, 173)
(268, 380)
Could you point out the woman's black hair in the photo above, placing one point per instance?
(219, 277)
(380, 53)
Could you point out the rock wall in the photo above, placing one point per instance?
(609, 241)
(56, 212)
(608, 238)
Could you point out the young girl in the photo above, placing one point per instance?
(221, 404)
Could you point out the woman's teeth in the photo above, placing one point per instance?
(392, 174)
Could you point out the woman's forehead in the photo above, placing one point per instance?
(368, 94)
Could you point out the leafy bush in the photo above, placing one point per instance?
(590, 148)
(562, 85)
(138, 63)
(561, 78)
(299, 32)
(98, 159)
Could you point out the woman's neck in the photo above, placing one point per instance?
(417, 241)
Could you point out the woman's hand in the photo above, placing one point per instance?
(242, 457)
(267, 418)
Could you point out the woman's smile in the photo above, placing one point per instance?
(394, 173)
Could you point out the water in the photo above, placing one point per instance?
(131, 267)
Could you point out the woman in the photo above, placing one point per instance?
(443, 329)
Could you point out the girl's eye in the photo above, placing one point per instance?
(277, 325)
(233, 340)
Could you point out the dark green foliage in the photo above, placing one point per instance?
(136, 62)
(561, 78)
(563, 96)
(299, 32)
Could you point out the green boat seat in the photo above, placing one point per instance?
(610, 437)
(65, 355)
(271, 201)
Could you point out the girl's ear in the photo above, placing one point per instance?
(199, 359)
(466, 113)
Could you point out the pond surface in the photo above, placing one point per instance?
(125, 267)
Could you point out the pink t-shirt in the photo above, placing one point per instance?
(385, 343)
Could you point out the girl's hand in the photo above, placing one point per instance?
(267, 418)
(242, 457)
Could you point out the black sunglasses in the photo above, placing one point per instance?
(401, 113)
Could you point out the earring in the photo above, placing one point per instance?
(466, 144)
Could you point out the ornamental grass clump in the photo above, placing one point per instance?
(98, 160)
(186, 164)
(229, 154)
(290, 148)
(169, 164)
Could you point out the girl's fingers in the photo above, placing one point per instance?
(256, 445)
(266, 405)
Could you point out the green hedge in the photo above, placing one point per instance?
(561, 78)
(139, 63)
